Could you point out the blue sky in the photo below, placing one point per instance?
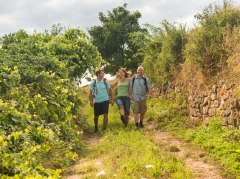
(40, 15)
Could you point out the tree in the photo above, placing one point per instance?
(115, 40)
(71, 50)
(205, 47)
(163, 52)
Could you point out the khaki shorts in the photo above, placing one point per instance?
(139, 106)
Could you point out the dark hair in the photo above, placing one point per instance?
(98, 72)
(125, 71)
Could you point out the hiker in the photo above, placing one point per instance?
(129, 74)
(100, 96)
(139, 87)
(123, 100)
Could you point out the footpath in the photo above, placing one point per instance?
(200, 166)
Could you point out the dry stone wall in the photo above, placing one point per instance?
(220, 100)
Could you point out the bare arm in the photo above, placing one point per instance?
(91, 98)
(130, 91)
(115, 83)
(111, 96)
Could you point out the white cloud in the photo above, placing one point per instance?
(42, 14)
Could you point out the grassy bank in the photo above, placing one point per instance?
(219, 142)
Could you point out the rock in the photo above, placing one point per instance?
(224, 121)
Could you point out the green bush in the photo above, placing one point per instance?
(40, 107)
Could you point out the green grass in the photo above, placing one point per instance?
(221, 143)
(130, 152)
(127, 153)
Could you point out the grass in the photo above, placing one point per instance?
(221, 143)
(126, 153)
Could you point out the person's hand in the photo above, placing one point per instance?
(131, 98)
(91, 103)
(111, 102)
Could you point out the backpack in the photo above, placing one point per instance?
(94, 86)
(145, 82)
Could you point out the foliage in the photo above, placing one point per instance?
(71, 50)
(221, 143)
(119, 38)
(41, 118)
(163, 53)
(205, 47)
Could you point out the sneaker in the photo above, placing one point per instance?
(123, 119)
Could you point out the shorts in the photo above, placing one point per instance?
(139, 106)
(125, 102)
(101, 108)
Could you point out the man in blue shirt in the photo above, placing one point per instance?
(139, 87)
(100, 95)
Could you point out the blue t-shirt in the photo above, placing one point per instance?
(100, 91)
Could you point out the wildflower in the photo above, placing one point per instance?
(102, 172)
(149, 166)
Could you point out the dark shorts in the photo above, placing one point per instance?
(101, 108)
(125, 102)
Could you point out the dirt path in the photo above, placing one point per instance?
(193, 158)
(83, 166)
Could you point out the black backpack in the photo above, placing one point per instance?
(145, 82)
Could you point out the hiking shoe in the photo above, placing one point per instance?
(137, 125)
(141, 125)
(123, 119)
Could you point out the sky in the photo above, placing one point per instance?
(40, 15)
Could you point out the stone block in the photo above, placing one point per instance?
(206, 101)
(224, 121)
(206, 120)
(225, 96)
(213, 96)
(212, 112)
(205, 110)
(226, 113)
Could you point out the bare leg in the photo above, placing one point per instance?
(121, 110)
(136, 118)
(96, 123)
(126, 119)
(105, 121)
(141, 119)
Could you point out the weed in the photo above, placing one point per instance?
(174, 149)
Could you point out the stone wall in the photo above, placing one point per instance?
(203, 102)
